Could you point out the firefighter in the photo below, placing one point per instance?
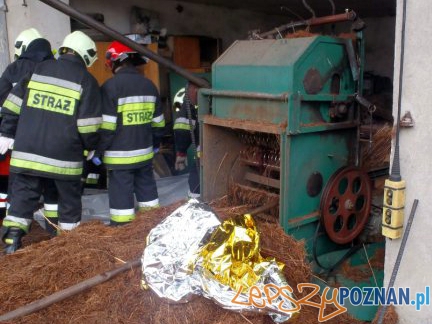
(30, 49)
(94, 176)
(132, 125)
(186, 117)
(59, 111)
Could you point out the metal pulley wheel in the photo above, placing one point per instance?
(345, 204)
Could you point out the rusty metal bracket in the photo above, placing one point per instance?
(348, 15)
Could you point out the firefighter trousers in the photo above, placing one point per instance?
(50, 199)
(3, 195)
(27, 190)
(123, 184)
(194, 179)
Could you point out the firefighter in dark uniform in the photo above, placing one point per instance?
(133, 123)
(185, 102)
(30, 49)
(59, 111)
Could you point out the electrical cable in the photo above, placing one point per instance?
(309, 8)
(395, 174)
(292, 12)
(333, 7)
(330, 269)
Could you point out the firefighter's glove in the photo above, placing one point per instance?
(90, 155)
(96, 161)
(181, 161)
(6, 144)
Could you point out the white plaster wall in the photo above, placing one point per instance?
(415, 152)
(52, 24)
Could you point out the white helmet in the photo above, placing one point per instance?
(178, 98)
(24, 39)
(82, 45)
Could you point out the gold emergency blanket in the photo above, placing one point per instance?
(232, 255)
(191, 253)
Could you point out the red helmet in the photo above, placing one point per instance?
(118, 52)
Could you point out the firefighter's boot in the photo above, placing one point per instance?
(118, 224)
(11, 236)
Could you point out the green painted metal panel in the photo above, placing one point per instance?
(177, 82)
(268, 52)
(262, 110)
(328, 57)
(306, 154)
(276, 67)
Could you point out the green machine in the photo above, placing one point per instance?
(280, 129)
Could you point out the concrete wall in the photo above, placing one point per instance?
(230, 25)
(379, 36)
(195, 19)
(415, 150)
(51, 23)
(379, 45)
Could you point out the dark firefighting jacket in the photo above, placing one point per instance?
(182, 127)
(59, 112)
(39, 50)
(132, 120)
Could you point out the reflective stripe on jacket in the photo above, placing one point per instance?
(132, 118)
(59, 114)
(182, 128)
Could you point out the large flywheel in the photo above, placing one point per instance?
(345, 204)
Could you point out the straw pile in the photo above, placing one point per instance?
(46, 267)
(300, 33)
(244, 195)
(378, 155)
(362, 272)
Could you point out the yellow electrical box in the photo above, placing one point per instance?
(393, 208)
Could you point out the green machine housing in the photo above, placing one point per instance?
(297, 94)
(279, 122)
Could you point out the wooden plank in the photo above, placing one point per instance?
(102, 73)
(262, 180)
(151, 69)
(187, 52)
(247, 125)
(99, 70)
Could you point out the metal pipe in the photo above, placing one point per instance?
(398, 258)
(68, 292)
(87, 20)
(395, 172)
(245, 95)
(349, 15)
